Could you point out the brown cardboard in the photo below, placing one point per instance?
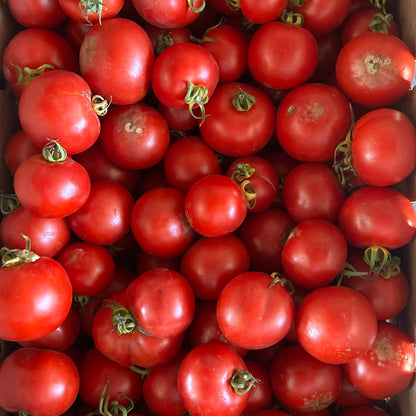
(404, 404)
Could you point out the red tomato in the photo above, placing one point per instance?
(215, 206)
(122, 47)
(366, 218)
(211, 262)
(314, 253)
(134, 136)
(302, 382)
(254, 311)
(48, 236)
(312, 120)
(146, 261)
(302, 186)
(91, 11)
(105, 216)
(44, 294)
(387, 368)
(18, 148)
(34, 51)
(282, 56)
(335, 324)
(51, 187)
(57, 105)
(159, 224)
(261, 11)
(206, 381)
(38, 381)
(240, 121)
(349, 396)
(177, 118)
(375, 69)
(75, 32)
(383, 149)
(162, 38)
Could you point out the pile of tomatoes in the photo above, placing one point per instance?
(208, 212)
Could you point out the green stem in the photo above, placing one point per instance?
(242, 101)
(14, 257)
(196, 95)
(242, 381)
(8, 203)
(53, 152)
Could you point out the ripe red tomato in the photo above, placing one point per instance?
(366, 218)
(240, 120)
(18, 148)
(312, 120)
(302, 382)
(38, 381)
(134, 136)
(387, 368)
(254, 311)
(57, 105)
(215, 206)
(206, 381)
(375, 69)
(261, 11)
(122, 47)
(335, 324)
(282, 56)
(91, 12)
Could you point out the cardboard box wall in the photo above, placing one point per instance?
(404, 404)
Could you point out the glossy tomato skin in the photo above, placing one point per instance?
(365, 218)
(302, 382)
(32, 283)
(57, 105)
(262, 12)
(282, 56)
(387, 368)
(312, 120)
(254, 313)
(226, 128)
(215, 206)
(204, 381)
(39, 381)
(51, 189)
(134, 136)
(31, 49)
(122, 47)
(105, 216)
(159, 224)
(335, 324)
(383, 147)
(375, 69)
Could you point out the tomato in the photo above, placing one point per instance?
(320, 17)
(44, 294)
(207, 380)
(162, 38)
(75, 32)
(185, 75)
(375, 69)
(33, 51)
(215, 206)
(335, 324)
(282, 56)
(38, 381)
(314, 253)
(51, 185)
(302, 382)
(146, 261)
(262, 12)
(387, 368)
(264, 234)
(18, 148)
(300, 190)
(159, 224)
(257, 179)
(229, 46)
(383, 148)
(48, 236)
(99, 374)
(162, 302)
(169, 14)
(254, 310)
(177, 118)
(122, 47)
(240, 120)
(211, 262)
(45, 14)
(134, 136)
(312, 120)
(365, 218)
(105, 216)
(91, 11)
(349, 396)
(57, 105)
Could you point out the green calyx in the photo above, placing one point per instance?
(14, 257)
(242, 101)
(26, 74)
(53, 152)
(91, 6)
